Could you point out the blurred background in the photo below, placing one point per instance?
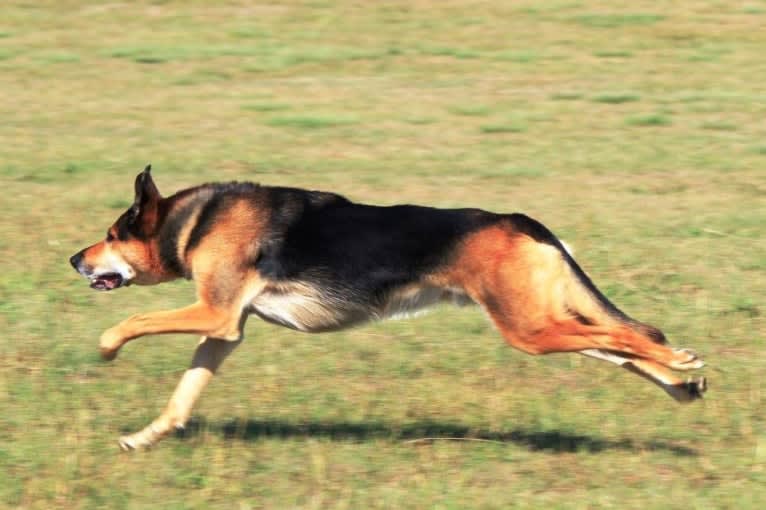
(634, 130)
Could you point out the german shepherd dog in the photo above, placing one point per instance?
(316, 261)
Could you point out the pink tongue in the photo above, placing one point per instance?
(112, 282)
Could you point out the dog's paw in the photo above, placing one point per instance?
(107, 354)
(689, 391)
(109, 344)
(686, 359)
(128, 443)
(697, 388)
(141, 440)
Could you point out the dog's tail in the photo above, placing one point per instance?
(581, 297)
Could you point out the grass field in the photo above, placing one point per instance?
(634, 130)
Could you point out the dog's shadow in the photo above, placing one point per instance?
(552, 441)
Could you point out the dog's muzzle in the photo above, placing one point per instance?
(105, 281)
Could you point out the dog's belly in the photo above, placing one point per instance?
(303, 308)
(306, 312)
(412, 299)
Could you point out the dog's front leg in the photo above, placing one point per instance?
(199, 318)
(208, 357)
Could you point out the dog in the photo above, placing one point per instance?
(315, 261)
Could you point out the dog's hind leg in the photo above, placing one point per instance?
(570, 335)
(542, 302)
(680, 390)
(207, 358)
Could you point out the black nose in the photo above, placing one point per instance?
(75, 260)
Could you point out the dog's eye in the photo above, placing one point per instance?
(109, 237)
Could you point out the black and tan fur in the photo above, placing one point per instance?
(315, 261)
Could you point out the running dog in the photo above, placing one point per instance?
(316, 261)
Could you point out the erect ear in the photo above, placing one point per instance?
(147, 197)
(146, 190)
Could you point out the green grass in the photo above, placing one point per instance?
(472, 110)
(59, 57)
(636, 136)
(719, 125)
(266, 107)
(311, 121)
(567, 96)
(446, 51)
(521, 57)
(617, 20)
(147, 54)
(505, 127)
(650, 119)
(6, 54)
(616, 97)
(613, 54)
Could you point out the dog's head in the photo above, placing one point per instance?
(128, 253)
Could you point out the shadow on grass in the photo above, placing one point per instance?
(426, 432)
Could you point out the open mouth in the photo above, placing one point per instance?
(106, 281)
